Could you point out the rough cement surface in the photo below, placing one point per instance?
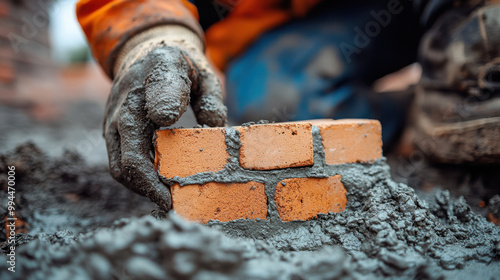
(370, 247)
(478, 184)
(390, 231)
(151, 249)
(386, 231)
(54, 194)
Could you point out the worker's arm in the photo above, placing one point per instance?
(109, 24)
(153, 51)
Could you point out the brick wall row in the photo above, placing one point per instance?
(280, 171)
(25, 52)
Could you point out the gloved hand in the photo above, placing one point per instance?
(158, 73)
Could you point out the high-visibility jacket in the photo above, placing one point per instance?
(108, 24)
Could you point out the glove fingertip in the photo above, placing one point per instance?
(162, 197)
(210, 110)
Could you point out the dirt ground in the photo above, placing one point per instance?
(77, 222)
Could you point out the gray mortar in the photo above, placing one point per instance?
(146, 248)
(387, 231)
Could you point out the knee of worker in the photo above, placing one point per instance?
(284, 83)
(273, 100)
(311, 84)
(285, 68)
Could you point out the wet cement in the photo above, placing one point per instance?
(386, 231)
(478, 184)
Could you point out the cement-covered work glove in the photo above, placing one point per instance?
(158, 73)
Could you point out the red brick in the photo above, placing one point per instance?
(276, 146)
(5, 8)
(350, 140)
(304, 198)
(7, 73)
(21, 226)
(185, 152)
(219, 201)
(493, 219)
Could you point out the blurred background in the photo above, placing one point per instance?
(51, 91)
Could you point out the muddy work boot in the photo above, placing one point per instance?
(456, 117)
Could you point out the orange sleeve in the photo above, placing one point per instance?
(247, 22)
(108, 24)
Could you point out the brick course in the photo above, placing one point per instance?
(272, 153)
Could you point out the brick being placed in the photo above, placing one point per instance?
(190, 151)
(268, 173)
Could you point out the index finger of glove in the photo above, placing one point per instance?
(207, 101)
